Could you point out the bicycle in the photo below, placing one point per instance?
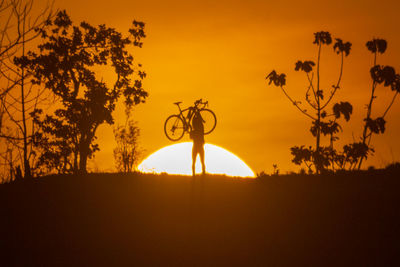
(176, 125)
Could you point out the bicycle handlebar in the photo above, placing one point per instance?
(196, 104)
(200, 102)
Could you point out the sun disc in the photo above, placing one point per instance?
(177, 159)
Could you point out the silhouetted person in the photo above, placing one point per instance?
(197, 135)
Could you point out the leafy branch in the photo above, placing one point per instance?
(315, 98)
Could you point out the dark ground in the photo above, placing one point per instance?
(135, 220)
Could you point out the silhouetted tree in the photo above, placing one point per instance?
(67, 64)
(17, 95)
(128, 152)
(318, 99)
(57, 144)
(380, 75)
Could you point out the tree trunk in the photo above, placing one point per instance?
(84, 150)
(83, 155)
(27, 168)
(75, 161)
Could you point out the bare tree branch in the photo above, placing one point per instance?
(21, 25)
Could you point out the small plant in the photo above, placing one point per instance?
(380, 75)
(261, 174)
(128, 152)
(318, 99)
(323, 123)
(395, 166)
(276, 170)
(302, 171)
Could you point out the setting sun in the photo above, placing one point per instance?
(177, 159)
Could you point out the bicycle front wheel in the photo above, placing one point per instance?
(209, 120)
(174, 128)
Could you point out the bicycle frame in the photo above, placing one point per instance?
(176, 125)
(184, 118)
(191, 111)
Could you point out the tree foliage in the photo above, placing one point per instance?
(377, 46)
(70, 60)
(343, 108)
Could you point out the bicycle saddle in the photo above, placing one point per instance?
(177, 103)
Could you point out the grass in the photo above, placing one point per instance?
(346, 219)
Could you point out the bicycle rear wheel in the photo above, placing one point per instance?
(209, 120)
(174, 128)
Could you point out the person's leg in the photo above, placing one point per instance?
(194, 155)
(203, 165)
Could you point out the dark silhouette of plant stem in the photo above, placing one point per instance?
(387, 76)
(128, 152)
(318, 156)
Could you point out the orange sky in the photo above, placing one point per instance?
(222, 50)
